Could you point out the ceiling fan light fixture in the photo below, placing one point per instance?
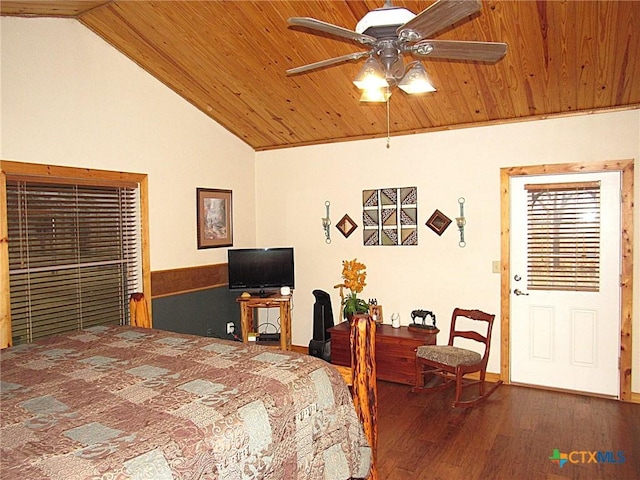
(383, 17)
(370, 76)
(375, 95)
(416, 81)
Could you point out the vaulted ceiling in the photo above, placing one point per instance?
(228, 58)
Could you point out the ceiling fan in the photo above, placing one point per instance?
(389, 32)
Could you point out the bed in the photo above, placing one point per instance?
(128, 402)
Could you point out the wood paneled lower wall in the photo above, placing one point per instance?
(189, 279)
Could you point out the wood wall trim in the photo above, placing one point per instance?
(626, 281)
(460, 126)
(5, 296)
(189, 279)
(43, 171)
(300, 349)
(626, 168)
(145, 243)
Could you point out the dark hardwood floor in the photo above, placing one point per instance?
(509, 436)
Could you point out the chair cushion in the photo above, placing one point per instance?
(448, 355)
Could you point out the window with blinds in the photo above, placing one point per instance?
(563, 236)
(73, 256)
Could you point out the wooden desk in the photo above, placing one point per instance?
(248, 304)
(395, 350)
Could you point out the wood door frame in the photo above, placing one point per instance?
(626, 168)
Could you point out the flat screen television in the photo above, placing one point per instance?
(261, 270)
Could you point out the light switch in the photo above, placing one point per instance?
(495, 266)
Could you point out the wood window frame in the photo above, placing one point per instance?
(61, 173)
(626, 168)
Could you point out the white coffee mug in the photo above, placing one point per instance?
(395, 320)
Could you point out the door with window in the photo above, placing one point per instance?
(565, 281)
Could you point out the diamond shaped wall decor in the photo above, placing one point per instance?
(346, 226)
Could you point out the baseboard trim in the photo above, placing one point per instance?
(299, 349)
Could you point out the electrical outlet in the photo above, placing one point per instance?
(230, 327)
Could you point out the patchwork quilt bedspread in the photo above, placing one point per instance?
(131, 403)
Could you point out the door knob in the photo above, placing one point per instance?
(519, 292)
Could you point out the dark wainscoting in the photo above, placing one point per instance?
(194, 300)
(205, 312)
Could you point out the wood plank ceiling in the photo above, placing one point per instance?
(228, 58)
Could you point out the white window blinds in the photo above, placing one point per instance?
(73, 256)
(563, 236)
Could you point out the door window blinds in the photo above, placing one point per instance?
(563, 236)
(73, 256)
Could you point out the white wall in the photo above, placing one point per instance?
(293, 184)
(69, 98)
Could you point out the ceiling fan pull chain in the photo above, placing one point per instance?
(388, 129)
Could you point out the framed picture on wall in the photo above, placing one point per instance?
(215, 220)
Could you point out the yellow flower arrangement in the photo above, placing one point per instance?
(354, 276)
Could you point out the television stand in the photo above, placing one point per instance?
(247, 324)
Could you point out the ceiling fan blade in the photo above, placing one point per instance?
(331, 29)
(437, 17)
(328, 62)
(460, 50)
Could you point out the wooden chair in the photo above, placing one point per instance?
(451, 363)
(361, 378)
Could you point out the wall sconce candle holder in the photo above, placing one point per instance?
(461, 221)
(326, 221)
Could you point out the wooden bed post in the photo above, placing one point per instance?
(139, 311)
(365, 390)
